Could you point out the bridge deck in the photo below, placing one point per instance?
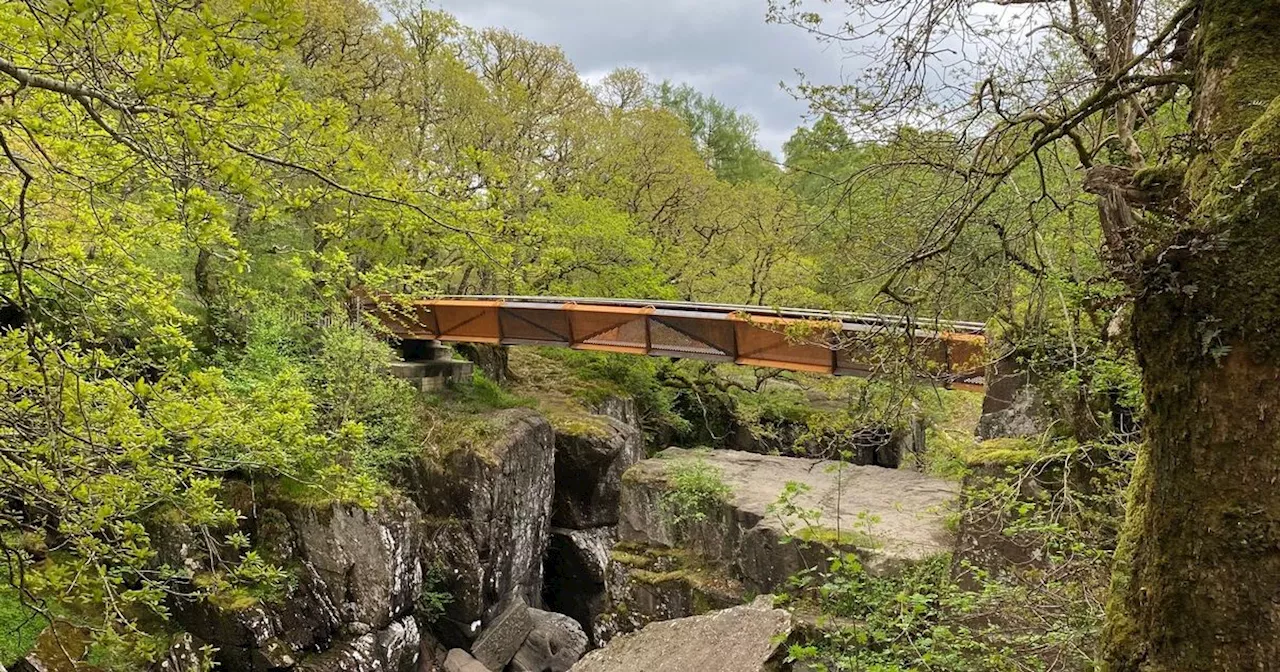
(792, 339)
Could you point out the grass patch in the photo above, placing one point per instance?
(19, 624)
(481, 394)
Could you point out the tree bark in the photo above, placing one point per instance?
(1197, 575)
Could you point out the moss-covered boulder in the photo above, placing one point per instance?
(590, 458)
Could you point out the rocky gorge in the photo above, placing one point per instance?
(543, 542)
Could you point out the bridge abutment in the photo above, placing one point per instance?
(429, 365)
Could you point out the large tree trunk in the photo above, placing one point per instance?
(1197, 577)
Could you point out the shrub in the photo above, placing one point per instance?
(369, 412)
(694, 489)
(1064, 504)
(337, 377)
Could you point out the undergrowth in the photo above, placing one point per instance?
(1026, 591)
(20, 625)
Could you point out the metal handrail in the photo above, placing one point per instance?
(958, 326)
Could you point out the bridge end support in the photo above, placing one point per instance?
(429, 365)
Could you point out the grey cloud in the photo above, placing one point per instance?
(722, 47)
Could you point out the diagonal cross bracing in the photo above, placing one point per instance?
(828, 342)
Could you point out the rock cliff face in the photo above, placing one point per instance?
(572, 521)
(357, 579)
(490, 518)
(589, 467)
(480, 522)
(1012, 406)
(622, 409)
(577, 584)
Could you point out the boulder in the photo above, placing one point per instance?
(588, 465)
(554, 645)
(622, 409)
(366, 562)
(503, 637)
(748, 638)
(60, 647)
(460, 661)
(1012, 407)
(490, 510)
(577, 566)
(431, 653)
(889, 517)
(393, 649)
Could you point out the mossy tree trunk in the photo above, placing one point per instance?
(1197, 578)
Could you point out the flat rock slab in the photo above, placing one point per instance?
(502, 638)
(748, 638)
(891, 517)
(461, 661)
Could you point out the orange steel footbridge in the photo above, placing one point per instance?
(792, 339)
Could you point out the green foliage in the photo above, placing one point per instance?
(19, 623)
(1062, 506)
(694, 489)
(180, 234)
(592, 377)
(804, 523)
(135, 446)
(369, 415)
(480, 394)
(433, 601)
(726, 137)
(896, 624)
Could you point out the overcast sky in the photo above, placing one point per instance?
(721, 47)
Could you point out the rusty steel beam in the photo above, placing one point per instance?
(829, 342)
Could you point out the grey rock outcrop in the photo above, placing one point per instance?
(592, 453)
(357, 577)
(589, 467)
(622, 409)
(1012, 407)
(889, 517)
(490, 511)
(748, 638)
(185, 654)
(388, 650)
(554, 645)
(647, 584)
